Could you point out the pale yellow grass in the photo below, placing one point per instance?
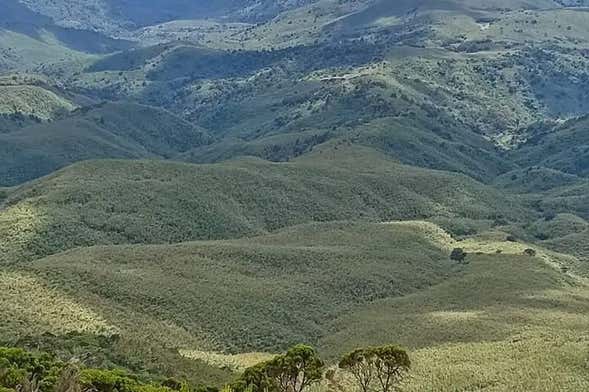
(236, 362)
(37, 308)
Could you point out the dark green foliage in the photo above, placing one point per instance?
(530, 252)
(10, 122)
(294, 371)
(24, 370)
(108, 380)
(18, 366)
(116, 352)
(254, 378)
(114, 130)
(458, 254)
(563, 147)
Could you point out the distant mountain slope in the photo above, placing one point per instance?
(116, 17)
(33, 95)
(114, 130)
(29, 39)
(438, 90)
(563, 147)
(118, 202)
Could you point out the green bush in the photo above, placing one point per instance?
(19, 368)
(458, 254)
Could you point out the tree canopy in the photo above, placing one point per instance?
(294, 371)
(386, 366)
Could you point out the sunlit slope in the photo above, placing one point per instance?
(487, 322)
(29, 99)
(34, 101)
(507, 322)
(118, 202)
(262, 293)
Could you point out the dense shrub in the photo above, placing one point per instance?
(458, 254)
(22, 370)
(530, 252)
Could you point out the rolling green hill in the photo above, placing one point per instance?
(286, 286)
(117, 202)
(381, 282)
(277, 172)
(112, 130)
(29, 99)
(503, 324)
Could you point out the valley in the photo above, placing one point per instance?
(189, 189)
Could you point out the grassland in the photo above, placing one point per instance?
(33, 101)
(486, 323)
(123, 306)
(505, 323)
(285, 286)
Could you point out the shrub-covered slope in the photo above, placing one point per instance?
(113, 130)
(115, 202)
(338, 285)
(563, 147)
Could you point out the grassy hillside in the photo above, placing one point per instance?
(28, 99)
(114, 130)
(114, 202)
(286, 286)
(505, 323)
(381, 283)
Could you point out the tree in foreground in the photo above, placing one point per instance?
(361, 365)
(392, 364)
(294, 371)
(386, 366)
